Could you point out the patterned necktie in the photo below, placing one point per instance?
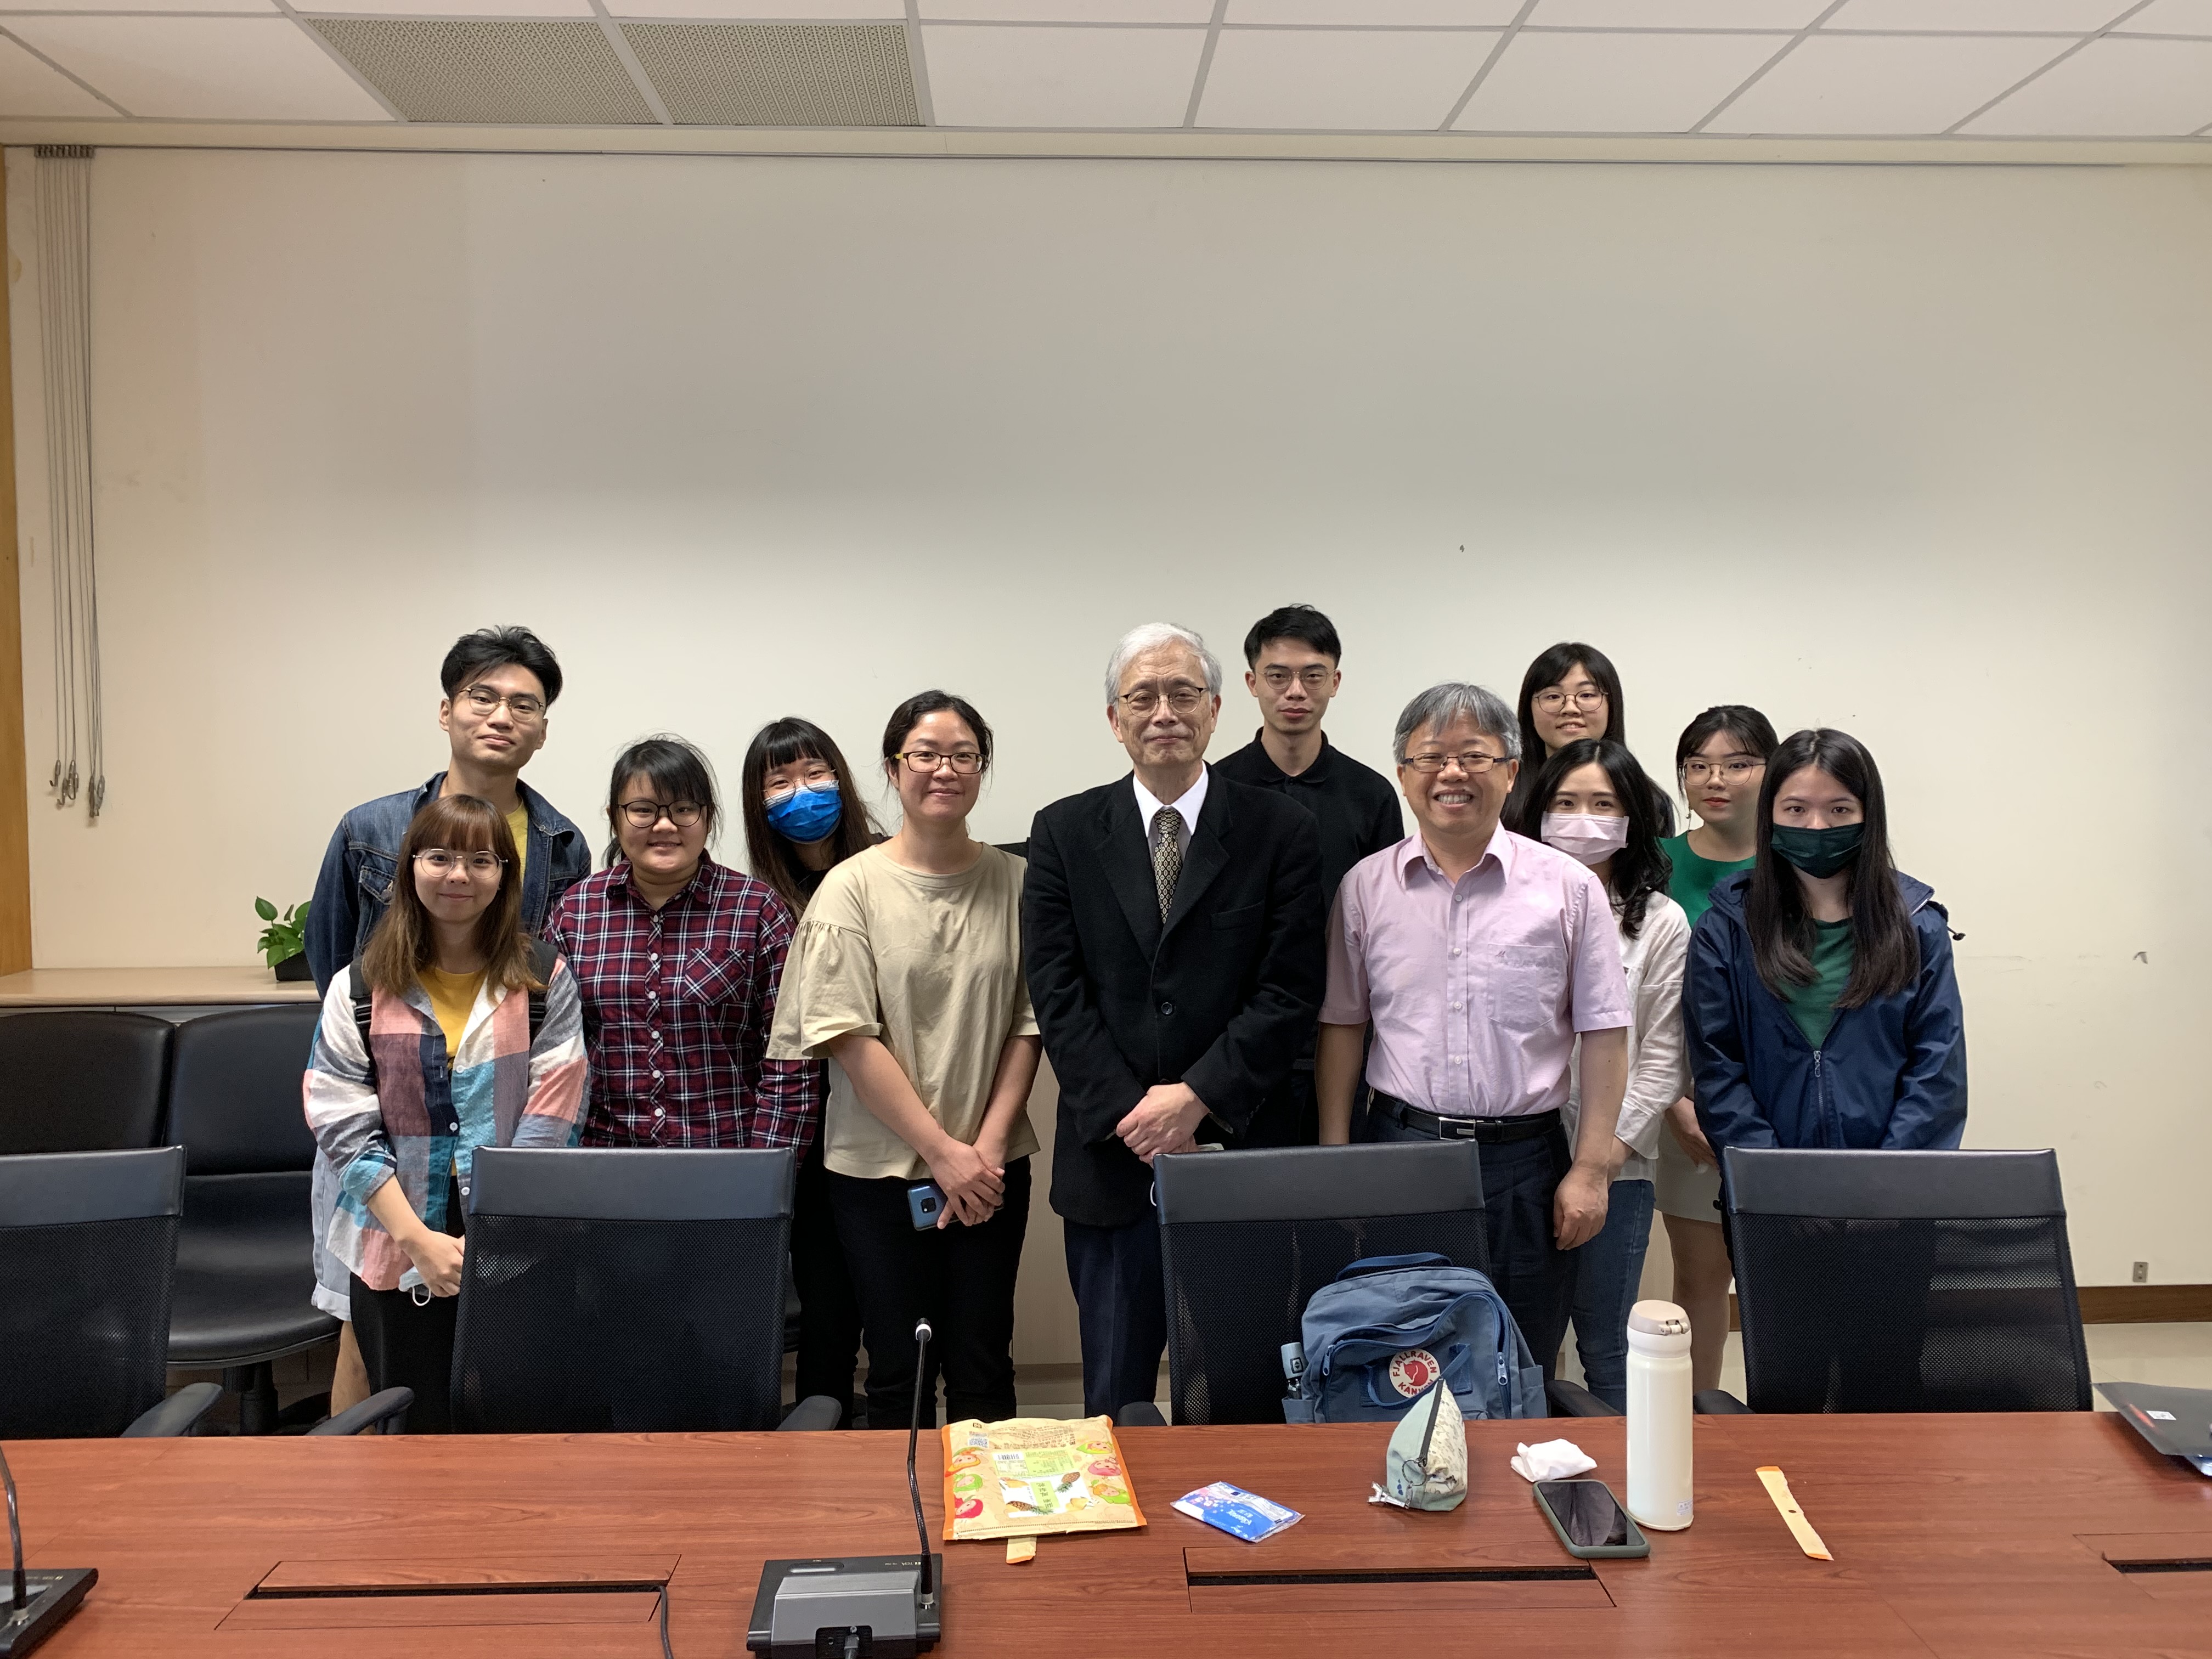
(1167, 855)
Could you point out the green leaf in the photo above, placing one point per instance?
(264, 909)
(303, 911)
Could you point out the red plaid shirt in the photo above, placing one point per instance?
(677, 1004)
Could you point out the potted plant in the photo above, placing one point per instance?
(283, 942)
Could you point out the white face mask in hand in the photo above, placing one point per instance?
(1585, 836)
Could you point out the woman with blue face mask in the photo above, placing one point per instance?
(802, 818)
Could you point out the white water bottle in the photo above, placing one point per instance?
(1659, 1416)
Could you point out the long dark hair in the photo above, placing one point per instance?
(674, 768)
(403, 944)
(773, 857)
(1641, 868)
(1886, 951)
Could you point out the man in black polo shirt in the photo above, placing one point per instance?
(1290, 660)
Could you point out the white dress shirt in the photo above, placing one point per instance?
(1188, 804)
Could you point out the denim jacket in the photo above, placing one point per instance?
(355, 883)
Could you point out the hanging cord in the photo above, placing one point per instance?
(65, 325)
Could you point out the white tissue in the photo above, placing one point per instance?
(1554, 1459)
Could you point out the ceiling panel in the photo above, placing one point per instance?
(2116, 86)
(544, 72)
(2015, 17)
(1033, 77)
(1676, 14)
(433, 7)
(207, 69)
(2172, 17)
(1439, 14)
(32, 6)
(1332, 80)
(832, 11)
(1071, 11)
(1613, 82)
(29, 87)
(779, 75)
(1872, 84)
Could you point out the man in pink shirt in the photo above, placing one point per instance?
(1479, 957)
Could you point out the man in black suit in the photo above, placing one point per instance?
(1172, 925)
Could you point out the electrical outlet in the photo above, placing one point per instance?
(2142, 1275)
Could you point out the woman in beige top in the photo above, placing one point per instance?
(906, 976)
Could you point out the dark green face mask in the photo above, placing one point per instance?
(1818, 852)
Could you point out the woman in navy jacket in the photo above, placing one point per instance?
(1820, 1005)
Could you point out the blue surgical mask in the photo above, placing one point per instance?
(806, 815)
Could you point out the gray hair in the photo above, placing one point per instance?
(1440, 705)
(1149, 636)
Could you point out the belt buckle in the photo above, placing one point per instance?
(1454, 1128)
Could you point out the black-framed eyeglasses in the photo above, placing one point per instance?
(1553, 700)
(1735, 770)
(441, 862)
(966, 762)
(1472, 760)
(1181, 696)
(482, 699)
(1313, 677)
(644, 814)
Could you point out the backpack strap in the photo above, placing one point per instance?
(1384, 1264)
(357, 988)
(542, 956)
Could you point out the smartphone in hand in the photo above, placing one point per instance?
(924, 1203)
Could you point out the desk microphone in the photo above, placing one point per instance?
(855, 1607)
(38, 1602)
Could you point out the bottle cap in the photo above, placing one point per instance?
(1658, 1319)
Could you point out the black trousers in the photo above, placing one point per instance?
(1289, 1116)
(828, 1308)
(406, 1345)
(1121, 1310)
(960, 1279)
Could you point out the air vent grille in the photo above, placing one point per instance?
(780, 75)
(518, 72)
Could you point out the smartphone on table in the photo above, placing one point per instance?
(924, 1203)
(1590, 1520)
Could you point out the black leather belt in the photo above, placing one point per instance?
(1490, 1131)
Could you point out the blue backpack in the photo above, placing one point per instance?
(1379, 1337)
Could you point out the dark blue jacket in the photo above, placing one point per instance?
(1892, 1074)
(355, 883)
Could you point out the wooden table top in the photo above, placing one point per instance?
(131, 987)
(1952, 1536)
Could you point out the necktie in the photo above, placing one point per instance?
(1167, 855)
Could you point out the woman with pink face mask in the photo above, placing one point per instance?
(1593, 802)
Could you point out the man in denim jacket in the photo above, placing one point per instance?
(499, 683)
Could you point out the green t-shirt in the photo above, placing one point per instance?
(1813, 1006)
(1691, 884)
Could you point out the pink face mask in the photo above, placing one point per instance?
(1585, 836)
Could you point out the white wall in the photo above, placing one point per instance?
(1919, 452)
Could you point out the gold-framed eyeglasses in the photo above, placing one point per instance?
(1735, 768)
(966, 762)
(644, 814)
(1181, 696)
(476, 865)
(1554, 699)
(776, 791)
(482, 699)
(1471, 760)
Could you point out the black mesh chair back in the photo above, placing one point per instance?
(87, 1243)
(1246, 1237)
(81, 1081)
(608, 1290)
(1873, 1281)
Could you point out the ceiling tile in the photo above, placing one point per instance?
(1031, 77)
(1069, 11)
(29, 6)
(2116, 86)
(2003, 16)
(779, 75)
(1438, 14)
(431, 7)
(1875, 83)
(206, 68)
(29, 87)
(1328, 80)
(828, 11)
(2172, 17)
(1676, 14)
(524, 71)
(1613, 82)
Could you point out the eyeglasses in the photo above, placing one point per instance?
(1552, 701)
(644, 814)
(1313, 679)
(966, 762)
(481, 700)
(776, 791)
(439, 862)
(1472, 760)
(1734, 770)
(1183, 696)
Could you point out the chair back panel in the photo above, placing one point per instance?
(234, 1085)
(82, 1080)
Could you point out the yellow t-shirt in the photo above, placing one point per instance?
(517, 825)
(451, 996)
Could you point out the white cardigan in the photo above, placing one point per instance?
(1658, 1067)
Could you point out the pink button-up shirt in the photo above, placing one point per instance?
(1476, 986)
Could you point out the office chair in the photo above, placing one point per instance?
(81, 1081)
(1246, 1237)
(87, 1240)
(385, 1412)
(244, 1262)
(1873, 1281)
(612, 1290)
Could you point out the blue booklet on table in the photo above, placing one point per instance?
(1239, 1513)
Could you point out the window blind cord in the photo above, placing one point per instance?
(64, 197)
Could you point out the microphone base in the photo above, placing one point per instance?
(54, 1597)
(851, 1606)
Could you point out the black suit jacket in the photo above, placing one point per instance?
(1220, 997)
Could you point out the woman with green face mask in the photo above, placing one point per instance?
(1821, 1007)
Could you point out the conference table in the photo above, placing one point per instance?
(2012, 1535)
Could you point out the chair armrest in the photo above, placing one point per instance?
(1719, 1402)
(1139, 1414)
(815, 1413)
(1572, 1399)
(384, 1412)
(175, 1416)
